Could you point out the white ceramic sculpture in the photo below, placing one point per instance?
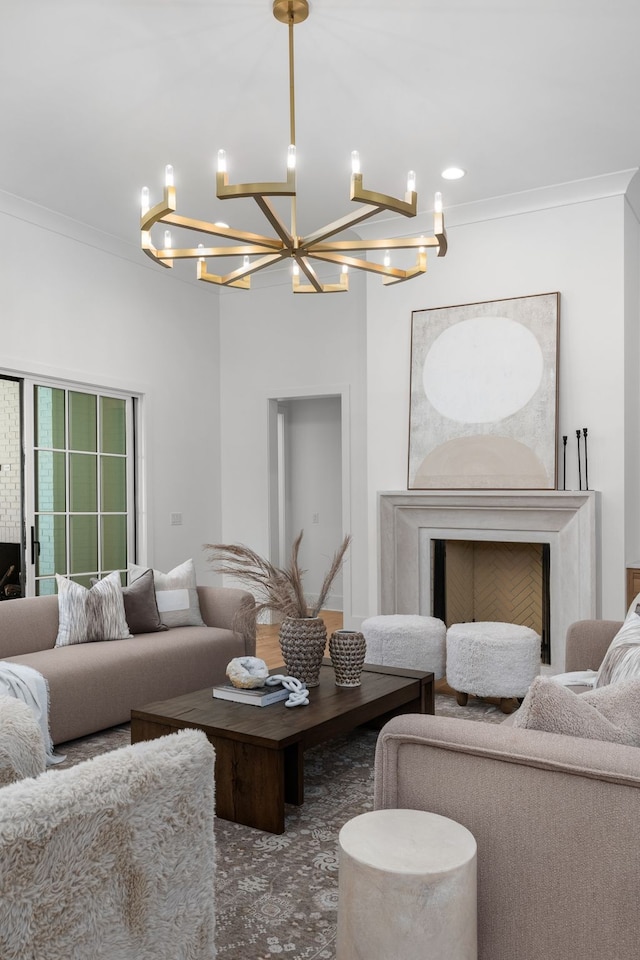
(247, 672)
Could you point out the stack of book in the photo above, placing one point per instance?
(258, 696)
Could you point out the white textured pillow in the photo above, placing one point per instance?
(612, 713)
(622, 659)
(87, 615)
(176, 594)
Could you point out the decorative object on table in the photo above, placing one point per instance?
(303, 634)
(298, 693)
(347, 649)
(484, 395)
(258, 696)
(247, 672)
(564, 462)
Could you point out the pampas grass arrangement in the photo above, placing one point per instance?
(276, 589)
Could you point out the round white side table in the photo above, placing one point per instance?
(406, 888)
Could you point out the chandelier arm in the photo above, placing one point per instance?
(227, 191)
(197, 253)
(276, 222)
(203, 226)
(350, 220)
(395, 274)
(310, 273)
(391, 243)
(150, 250)
(406, 207)
(239, 278)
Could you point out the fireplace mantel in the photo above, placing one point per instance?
(566, 520)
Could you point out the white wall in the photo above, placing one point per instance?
(277, 344)
(313, 441)
(577, 249)
(78, 305)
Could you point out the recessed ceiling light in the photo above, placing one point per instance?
(453, 173)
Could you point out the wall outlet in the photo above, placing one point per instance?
(176, 519)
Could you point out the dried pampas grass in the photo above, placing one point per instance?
(276, 589)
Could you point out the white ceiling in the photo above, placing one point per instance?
(97, 95)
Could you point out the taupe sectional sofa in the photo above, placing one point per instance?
(556, 819)
(93, 686)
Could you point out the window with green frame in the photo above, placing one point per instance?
(83, 485)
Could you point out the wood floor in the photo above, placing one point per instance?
(268, 648)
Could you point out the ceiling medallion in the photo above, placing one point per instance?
(258, 252)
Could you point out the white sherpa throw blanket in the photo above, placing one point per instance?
(26, 684)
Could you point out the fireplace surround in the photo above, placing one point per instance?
(566, 520)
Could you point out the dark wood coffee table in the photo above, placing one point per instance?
(259, 750)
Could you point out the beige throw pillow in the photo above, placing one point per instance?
(611, 713)
(176, 594)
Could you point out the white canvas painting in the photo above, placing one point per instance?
(484, 395)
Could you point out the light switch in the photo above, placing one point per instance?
(176, 519)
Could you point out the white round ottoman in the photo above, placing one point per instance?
(492, 659)
(405, 640)
(406, 888)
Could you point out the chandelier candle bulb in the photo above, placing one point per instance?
(437, 202)
(355, 161)
(291, 157)
(222, 161)
(411, 181)
(246, 262)
(201, 247)
(144, 200)
(387, 258)
(168, 175)
(167, 239)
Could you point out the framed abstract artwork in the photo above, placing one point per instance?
(484, 395)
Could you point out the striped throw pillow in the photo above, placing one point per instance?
(87, 615)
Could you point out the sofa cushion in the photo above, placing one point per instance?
(176, 594)
(89, 615)
(622, 659)
(611, 713)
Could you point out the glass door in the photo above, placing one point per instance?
(80, 513)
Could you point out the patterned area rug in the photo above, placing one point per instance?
(276, 896)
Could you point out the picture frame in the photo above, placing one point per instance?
(484, 395)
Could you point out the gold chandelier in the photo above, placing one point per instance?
(286, 244)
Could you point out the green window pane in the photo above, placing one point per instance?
(83, 428)
(83, 544)
(51, 535)
(50, 481)
(113, 425)
(114, 484)
(114, 543)
(83, 482)
(49, 417)
(45, 588)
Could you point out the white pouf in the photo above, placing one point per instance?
(492, 659)
(406, 640)
(406, 888)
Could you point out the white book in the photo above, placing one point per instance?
(258, 696)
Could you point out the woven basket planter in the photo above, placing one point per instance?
(347, 649)
(303, 642)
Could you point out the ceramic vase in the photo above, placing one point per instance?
(302, 642)
(347, 649)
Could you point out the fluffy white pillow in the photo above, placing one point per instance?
(622, 659)
(176, 594)
(87, 615)
(612, 713)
